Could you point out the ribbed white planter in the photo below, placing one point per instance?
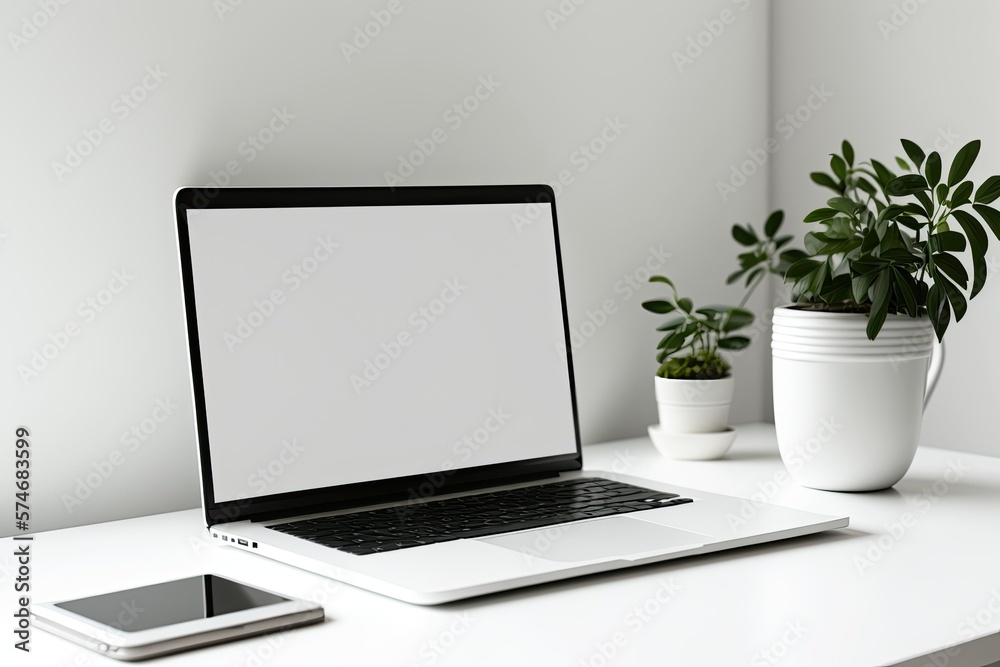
(848, 410)
(693, 406)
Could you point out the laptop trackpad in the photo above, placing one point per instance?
(613, 537)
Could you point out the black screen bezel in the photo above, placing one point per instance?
(387, 490)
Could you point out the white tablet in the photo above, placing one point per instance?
(172, 616)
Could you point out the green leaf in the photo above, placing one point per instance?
(913, 151)
(941, 192)
(801, 268)
(843, 204)
(907, 287)
(991, 216)
(773, 223)
(685, 304)
(820, 214)
(866, 186)
(880, 304)
(789, 257)
(960, 167)
(978, 240)
(737, 318)
(860, 285)
(961, 195)
(744, 235)
(675, 341)
(734, 342)
(838, 167)
(979, 274)
(882, 173)
(926, 202)
(838, 247)
(670, 325)
(907, 184)
(820, 178)
(902, 164)
(816, 280)
(661, 279)
(753, 275)
(978, 244)
(711, 311)
(955, 296)
(659, 307)
(988, 191)
(813, 242)
(947, 242)
(953, 268)
(938, 310)
(933, 169)
(848, 151)
(734, 276)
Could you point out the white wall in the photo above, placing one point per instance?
(918, 70)
(64, 238)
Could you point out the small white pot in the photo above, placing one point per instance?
(848, 410)
(693, 406)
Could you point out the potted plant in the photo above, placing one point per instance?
(879, 281)
(694, 383)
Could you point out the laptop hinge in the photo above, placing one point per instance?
(317, 508)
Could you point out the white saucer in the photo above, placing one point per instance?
(692, 446)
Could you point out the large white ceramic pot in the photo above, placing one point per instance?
(693, 406)
(847, 409)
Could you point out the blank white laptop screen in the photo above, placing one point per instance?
(352, 344)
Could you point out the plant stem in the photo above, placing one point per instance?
(753, 288)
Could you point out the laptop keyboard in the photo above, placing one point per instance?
(478, 515)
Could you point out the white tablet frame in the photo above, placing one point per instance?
(141, 644)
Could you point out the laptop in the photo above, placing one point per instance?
(384, 395)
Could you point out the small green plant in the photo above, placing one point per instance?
(690, 348)
(693, 337)
(887, 242)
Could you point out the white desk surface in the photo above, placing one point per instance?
(810, 601)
